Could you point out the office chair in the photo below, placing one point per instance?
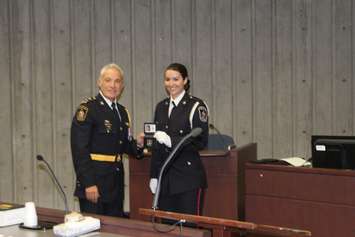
(220, 142)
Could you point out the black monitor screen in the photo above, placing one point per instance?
(336, 152)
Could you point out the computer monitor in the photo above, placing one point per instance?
(336, 152)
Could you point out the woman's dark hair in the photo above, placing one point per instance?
(182, 70)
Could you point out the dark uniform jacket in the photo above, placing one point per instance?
(185, 172)
(98, 139)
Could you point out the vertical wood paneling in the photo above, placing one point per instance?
(163, 46)
(201, 76)
(62, 79)
(102, 31)
(223, 91)
(182, 33)
(82, 50)
(142, 66)
(263, 82)
(322, 72)
(43, 98)
(242, 71)
(22, 117)
(302, 81)
(6, 174)
(272, 72)
(153, 32)
(122, 46)
(342, 65)
(282, 80)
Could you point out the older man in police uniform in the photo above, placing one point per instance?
(100, 134)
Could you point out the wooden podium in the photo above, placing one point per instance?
(319, 200)
(224, 196)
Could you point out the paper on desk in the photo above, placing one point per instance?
(296, 161)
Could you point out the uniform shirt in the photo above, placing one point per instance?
(175, 101)
(110, 103)
(98, 133)
(185, 172)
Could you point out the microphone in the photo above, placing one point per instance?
(40, 158)
(194, 133)
(222, 138)
(74, 224)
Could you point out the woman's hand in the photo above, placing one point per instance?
(163, 138)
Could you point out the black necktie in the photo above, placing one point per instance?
(173, 109)
(115, 110)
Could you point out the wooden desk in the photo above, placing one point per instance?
(224, 197)
(125, 227)
(15, 231)
(319, 200)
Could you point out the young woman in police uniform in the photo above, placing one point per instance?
(184, 179)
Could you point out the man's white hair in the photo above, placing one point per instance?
(111, 66)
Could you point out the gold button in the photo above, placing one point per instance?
(120, 142)
(121, 128)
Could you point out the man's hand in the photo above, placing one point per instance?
(140, 140)
(92, 193)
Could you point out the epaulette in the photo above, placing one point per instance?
(198, 99)
(86, 100)
(194, 97)
(165, 101)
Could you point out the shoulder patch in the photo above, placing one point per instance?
(86, 100)
(82, 113)
(203, 113)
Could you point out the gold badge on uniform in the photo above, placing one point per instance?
(203, 114)
(108, 125)
(81, 113)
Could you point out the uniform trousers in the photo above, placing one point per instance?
(102, 208)
(190, 202)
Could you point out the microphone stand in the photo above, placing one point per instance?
(40, 158)
(220, 136)
(74, 224)
(194, 133)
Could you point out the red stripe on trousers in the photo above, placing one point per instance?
(198, 201)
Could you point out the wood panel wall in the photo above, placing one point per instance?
(272, 72)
